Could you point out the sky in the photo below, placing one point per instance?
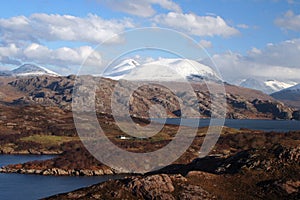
(245, 39)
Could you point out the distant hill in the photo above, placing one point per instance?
(290, 96)
(29, 70)
(242, 103)
(268, 86)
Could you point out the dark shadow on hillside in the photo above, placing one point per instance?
(212, 164)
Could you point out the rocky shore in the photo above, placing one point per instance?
(58, 171)
(74, 162)
(9, 150)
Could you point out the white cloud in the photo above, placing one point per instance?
(276, 61)
(141, 8)
(289, 21)
(56, 27)
(284, 54)
(205, 43)
(196, 25)
(62, 57)
(6, 51)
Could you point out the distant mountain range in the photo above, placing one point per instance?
(162, 69)
(167, 69)
(290, 96)
(24, 87)
(268, 86)
(29, 70)
(286, 92)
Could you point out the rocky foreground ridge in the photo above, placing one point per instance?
(251, 174)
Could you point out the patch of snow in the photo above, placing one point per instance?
(294, 88)
(32, 70)
(278, 85)
(164, 69)
(268, 87)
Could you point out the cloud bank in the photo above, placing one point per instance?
(196, 25)
(289, 21)
(44, 27)
(141, 8)
(275, 61)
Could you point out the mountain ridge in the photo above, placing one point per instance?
(242, 103)
(290, 96)
(29, 70)
(163, 69)
(266, 86)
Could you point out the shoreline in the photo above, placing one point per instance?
(59, 171)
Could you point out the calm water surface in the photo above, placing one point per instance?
(264, 125)
(24, 186)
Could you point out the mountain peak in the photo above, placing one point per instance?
(32, 70)
(175, 68)
(293, 88)
(268, 87)
(120, 70)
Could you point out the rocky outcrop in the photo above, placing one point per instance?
(75, 161)
(11, 150)
(289, 186)
(281, 189)
(58, 171)
(162, 186)
(277, 157)
(296, 115)
(268, 160)
(278, 110)
(46, 90)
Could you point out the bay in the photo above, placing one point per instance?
(27, 186)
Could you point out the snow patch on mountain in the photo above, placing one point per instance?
(295, 88)
(278, 85)
(32, 70)
(164, 69)
(268, 86)
(120, 70)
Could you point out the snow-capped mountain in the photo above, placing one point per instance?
(295, 88)
(32, 70)
(268, 87)
(164, 69)
(290, 96)
(279, 85)
(120, 70)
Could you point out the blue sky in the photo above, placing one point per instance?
(253, 38)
